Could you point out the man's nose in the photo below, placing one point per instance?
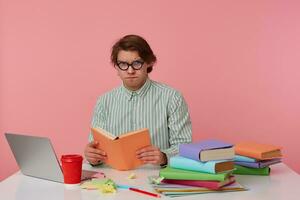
(130, 70)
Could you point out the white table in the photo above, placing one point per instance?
(283, 183)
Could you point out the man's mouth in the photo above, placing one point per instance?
(131, 77)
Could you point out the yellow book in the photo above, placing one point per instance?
(121, 150)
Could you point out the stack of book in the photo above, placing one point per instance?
(201, 167)
(255, 159)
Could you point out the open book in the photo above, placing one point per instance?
(121, 150)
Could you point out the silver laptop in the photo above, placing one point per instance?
(36, 157)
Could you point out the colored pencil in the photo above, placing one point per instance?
(145, 192)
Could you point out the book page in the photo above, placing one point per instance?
(133, 132)
(105, 133)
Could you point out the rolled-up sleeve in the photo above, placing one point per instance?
(99, 116)
(179, 124)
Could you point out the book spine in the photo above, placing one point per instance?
(192, 176)
(243, 158)
(251, 171)
(248, 164)
(214, 185)
(193, 165)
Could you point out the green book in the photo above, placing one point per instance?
(251, 171)
(180, 174)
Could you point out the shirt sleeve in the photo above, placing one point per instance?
(99, 116)
(179, 125)
(98, 120)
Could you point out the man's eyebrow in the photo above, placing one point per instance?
(138, 59)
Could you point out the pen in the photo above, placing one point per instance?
(145, 192)
(123, 186)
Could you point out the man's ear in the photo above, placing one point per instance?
(150, 67)
(150, 64)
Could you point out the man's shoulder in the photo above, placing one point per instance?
(164, 88)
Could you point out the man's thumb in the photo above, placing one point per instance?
(94, 143)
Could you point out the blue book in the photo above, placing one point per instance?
(207, 150)
(212, 167)
(258, 164)
(240, 158)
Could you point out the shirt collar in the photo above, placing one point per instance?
(140, 92)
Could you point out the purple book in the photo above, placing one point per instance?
(207, 150)
(259, 164)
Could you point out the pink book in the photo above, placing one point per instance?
(214, 185)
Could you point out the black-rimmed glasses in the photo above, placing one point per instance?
(136, 65)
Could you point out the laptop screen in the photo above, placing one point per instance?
(35, 156)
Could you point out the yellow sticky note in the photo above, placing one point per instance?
(108, 189)
(103, 185)
(132, 176)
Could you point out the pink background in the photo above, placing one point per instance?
(236, 63)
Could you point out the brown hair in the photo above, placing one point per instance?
(134, 43)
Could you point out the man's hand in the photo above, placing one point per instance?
(94, 155)
(152, 155)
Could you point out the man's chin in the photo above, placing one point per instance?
(132, 86)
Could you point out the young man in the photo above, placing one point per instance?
(141, 103)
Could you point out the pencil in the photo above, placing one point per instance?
(145, 192)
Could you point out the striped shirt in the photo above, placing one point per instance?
(155, 106)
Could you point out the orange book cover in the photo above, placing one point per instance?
(257, 150)
(121, 150)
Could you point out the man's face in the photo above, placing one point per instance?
(132, 79)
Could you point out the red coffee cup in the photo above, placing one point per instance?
(71, 167)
